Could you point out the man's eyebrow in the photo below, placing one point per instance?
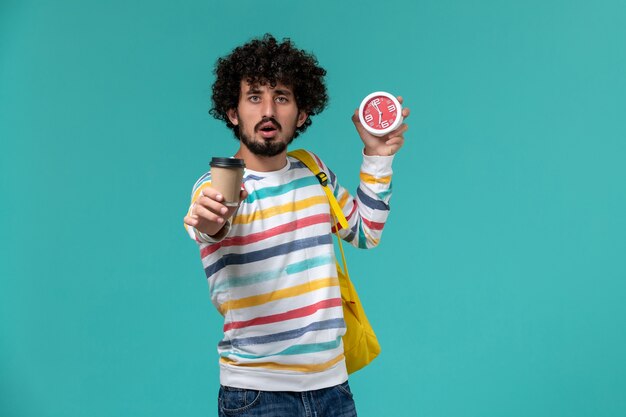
(283, 92)
(278, 91)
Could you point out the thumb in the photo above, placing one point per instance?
(357, 122)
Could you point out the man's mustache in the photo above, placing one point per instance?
(266, 120)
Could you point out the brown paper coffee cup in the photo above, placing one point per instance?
(226, 177)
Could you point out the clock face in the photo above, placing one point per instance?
(380, 113)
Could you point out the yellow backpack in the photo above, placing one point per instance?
(359, 343)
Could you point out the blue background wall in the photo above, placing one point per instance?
(498, 289)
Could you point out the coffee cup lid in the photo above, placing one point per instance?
(227, 163)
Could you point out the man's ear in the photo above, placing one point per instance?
(233, 116)
(302, 116)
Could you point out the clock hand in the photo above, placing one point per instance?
(380, 113)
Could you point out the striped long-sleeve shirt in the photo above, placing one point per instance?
(273, 278)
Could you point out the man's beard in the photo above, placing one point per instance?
(265, 147)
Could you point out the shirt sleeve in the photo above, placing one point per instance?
(367, 211)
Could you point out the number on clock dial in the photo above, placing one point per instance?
(380, 112)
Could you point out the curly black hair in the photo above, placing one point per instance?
(265, 61)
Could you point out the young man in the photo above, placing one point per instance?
(270, 261)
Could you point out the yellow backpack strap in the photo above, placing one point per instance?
(306, 158)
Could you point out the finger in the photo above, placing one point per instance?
(396, 144)
(400, 99)
(190, 221)
(399, 131)
(391, 150)
(406, 112)
(205, 203)
(212, 205)
(394, 139)
(397, 141)
(205, 214)
(357, 122)
(212, 193)
(243, 194)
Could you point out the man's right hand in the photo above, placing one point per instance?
(208, 214)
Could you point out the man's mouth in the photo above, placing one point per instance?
(268, 129)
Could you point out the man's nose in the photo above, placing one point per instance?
(269, 108)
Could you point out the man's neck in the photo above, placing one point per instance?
(261, 163)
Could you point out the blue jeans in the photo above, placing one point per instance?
(328, 402)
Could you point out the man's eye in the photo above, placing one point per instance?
(281, 99)
(254, 99)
